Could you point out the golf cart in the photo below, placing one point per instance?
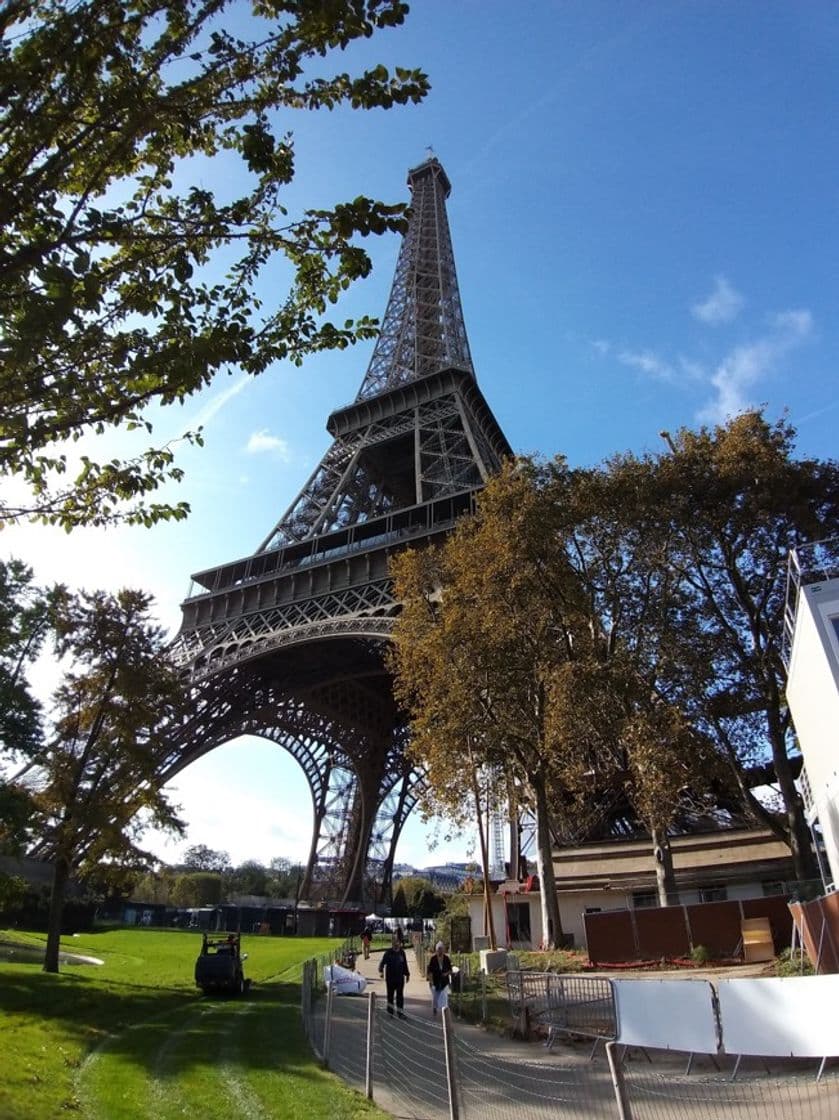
(219, 967)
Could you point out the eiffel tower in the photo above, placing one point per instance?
(288, 643)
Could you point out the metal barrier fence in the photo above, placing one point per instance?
(423, 1069)
(580, 1005)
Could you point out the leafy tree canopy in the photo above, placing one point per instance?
(197, 888)
(127, 281)
(25, 616)
(486, 623)
(17, 818)
(12, 892)
(96, 774)
(201, 858)
(416, 897)
(250, 877)
(284, 878)
(684, 553)
(608, 640)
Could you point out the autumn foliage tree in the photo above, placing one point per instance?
(685, 552)
(145, 160)
(614, 634)
(486, 626)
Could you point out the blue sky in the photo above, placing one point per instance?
(644, 216)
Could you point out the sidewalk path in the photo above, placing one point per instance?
(501, 1078)
(418, 1006)
(409, 1075)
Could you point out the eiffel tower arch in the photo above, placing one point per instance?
(289, 642)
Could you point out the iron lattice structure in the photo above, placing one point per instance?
(289, 642)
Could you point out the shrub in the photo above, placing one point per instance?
(797, 964)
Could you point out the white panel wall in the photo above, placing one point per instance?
(780, 1017)
(668, 1014)
(813, 696)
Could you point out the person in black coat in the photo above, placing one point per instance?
(439, 977)
(394, 967)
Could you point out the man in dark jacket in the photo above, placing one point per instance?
(394, 967)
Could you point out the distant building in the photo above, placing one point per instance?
(725, 865)
(444, 876)
(813, 691)
(812, 651)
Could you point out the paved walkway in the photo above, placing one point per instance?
(501, 1078)
(418, 1006)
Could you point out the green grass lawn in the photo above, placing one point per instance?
(135, 1039)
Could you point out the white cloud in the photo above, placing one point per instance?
(263, 441)
(721, 306)
(215, 404)
(601, 345)
(746, 365)
(647, 362)
(693, 371)
(795, 324)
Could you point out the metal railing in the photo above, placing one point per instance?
(810, 563)
(425, 1069)
(556, 1004)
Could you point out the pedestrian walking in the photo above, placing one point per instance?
(365, 942)
(439, 976)
(394, 967)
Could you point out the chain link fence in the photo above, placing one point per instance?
(424, 1069)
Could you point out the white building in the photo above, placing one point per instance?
(813, 689)
(725, 865)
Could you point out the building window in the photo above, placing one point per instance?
(518, 921)
(644, 900)
(712, 894)
(773, 887)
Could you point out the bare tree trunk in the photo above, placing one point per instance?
(551, 924)
(488, 918)
(60, 876)
(799, 840)
(514, 870)
(665, 877)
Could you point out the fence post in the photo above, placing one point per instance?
(327, 1026)
(451, 1076)
(483, 995)
(618, 1082)
(368, 1057)
(305, 996)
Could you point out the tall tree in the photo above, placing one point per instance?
(17, 818)
(740, 501)
(201, 858)
(25, 619)
(642, 763)
(685, 553)
(487, 625)
(154, 886)
(126, 281)
(198, 888)
(417, 898)
(250, 877)
(284, 878)
(97, 770)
